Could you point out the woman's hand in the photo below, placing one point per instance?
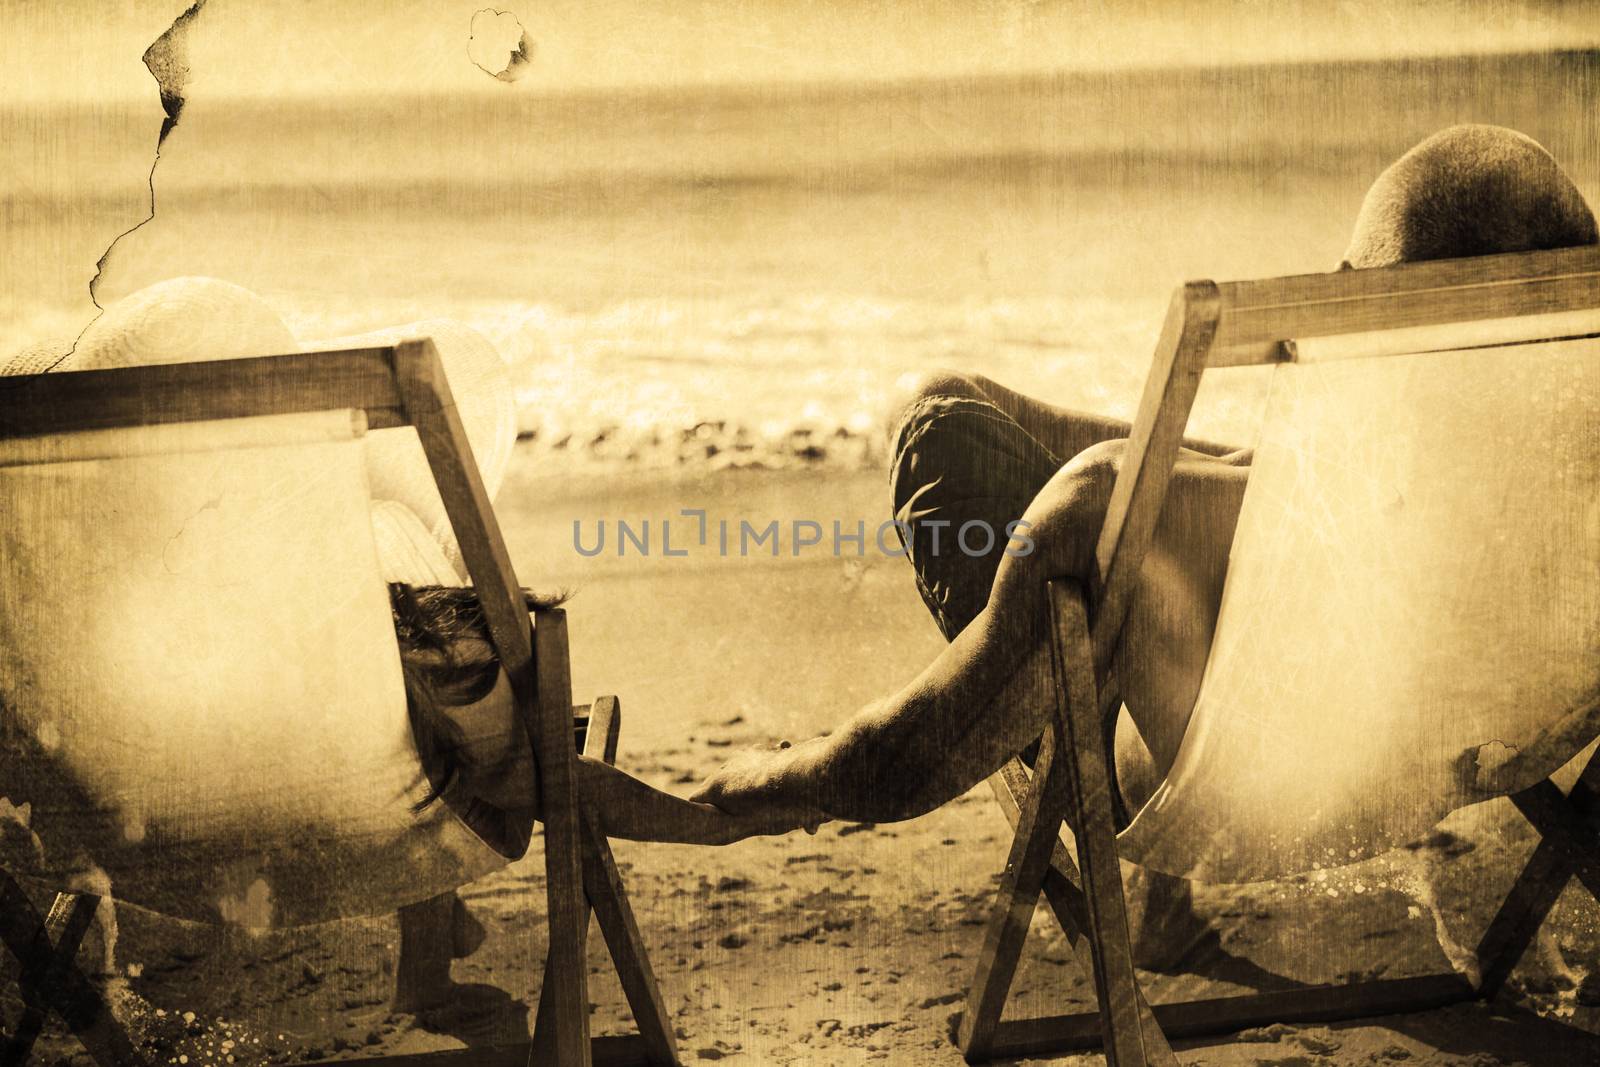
(718, 827)
(764, 786)
(629, 808)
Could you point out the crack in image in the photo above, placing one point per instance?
(167, 60)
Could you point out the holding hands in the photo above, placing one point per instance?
(752, 795)
(763, 787)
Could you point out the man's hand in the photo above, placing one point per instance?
(763, 785)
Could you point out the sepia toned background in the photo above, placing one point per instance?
(712, 240)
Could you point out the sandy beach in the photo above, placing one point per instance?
(855, 945)
(707, 295)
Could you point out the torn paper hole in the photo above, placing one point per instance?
(498, 44)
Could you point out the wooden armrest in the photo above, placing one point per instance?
(596, 727)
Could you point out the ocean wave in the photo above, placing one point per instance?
(476, 153)
(808, 380)
(803, 381)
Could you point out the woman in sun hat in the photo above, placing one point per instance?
(475, 796)
(469, 747)
(193, 319)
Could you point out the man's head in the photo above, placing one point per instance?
(1469, 191)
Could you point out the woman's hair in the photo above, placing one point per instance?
(446, 661)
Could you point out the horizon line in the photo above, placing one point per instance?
(801, 86)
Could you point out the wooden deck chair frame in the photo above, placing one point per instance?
(398, 385)
(1239, 324)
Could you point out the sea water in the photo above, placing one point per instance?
(746, 276)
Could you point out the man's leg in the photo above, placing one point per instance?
(1063, 432)
(959, 459)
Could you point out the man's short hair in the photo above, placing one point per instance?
(1469, 191)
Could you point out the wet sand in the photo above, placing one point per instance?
(855, 945)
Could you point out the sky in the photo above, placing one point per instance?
(84, 50)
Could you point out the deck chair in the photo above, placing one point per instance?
(1408, 627)
(267, 819)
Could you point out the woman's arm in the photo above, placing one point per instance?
(499, 770)
(629, 808)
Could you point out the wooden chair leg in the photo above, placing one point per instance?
(605, 893)
(1062, 881)
(68, 921)
(1132, 1037)
(1010, 785)
(563, 1016)
(1038, 823)
(51, 980)
(545, 1021)
(1543, 877)
(605, 728)
(1021, 800)
(609, 899)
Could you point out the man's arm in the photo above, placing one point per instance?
(904, 755)
(985, 697)
(991, 691)
(927, 744)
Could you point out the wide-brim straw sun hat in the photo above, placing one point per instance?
(180, 320)
(480, 382)
(196, 319)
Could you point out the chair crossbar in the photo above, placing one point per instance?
(1061, 879)
(1226, 1015)
(68, 921)
(1259, 316)
(1543, 877)
(610, 1050)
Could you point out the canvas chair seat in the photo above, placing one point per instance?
(201, 699)
(1411, 618)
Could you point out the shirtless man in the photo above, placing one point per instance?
(966, 448)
